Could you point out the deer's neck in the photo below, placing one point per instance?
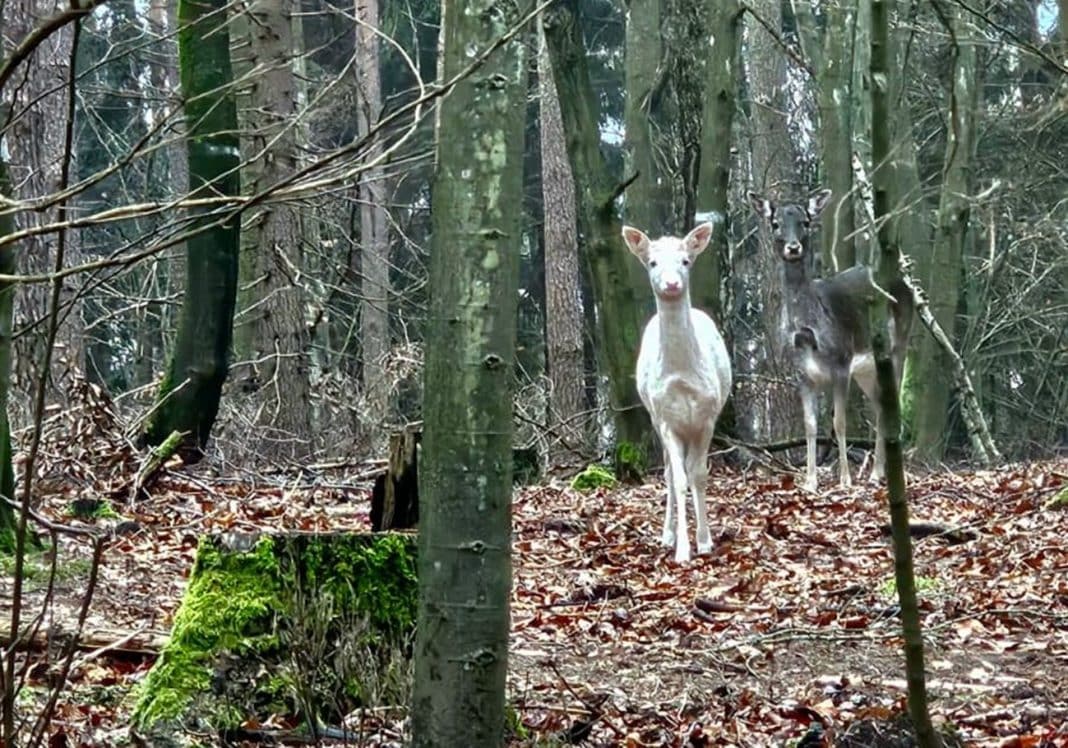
(678, 341)
(799, 291)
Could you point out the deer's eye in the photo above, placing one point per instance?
(806, 224)
(686, 263)
(775, 225)
(652, 263)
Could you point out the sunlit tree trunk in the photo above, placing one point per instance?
(941, 272)
(464, 554)
(374, 232)
(563, 296)
(188, 399)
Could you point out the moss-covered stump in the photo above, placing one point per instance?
(305, 626)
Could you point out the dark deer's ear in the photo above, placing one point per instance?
(760, 204)
(817, 201)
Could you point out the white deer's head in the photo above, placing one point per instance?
(668, 259)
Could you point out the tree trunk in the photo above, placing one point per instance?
(8, 266)
(188, 399)
(648, 200)
(374, 234)
(618, 309)
(464, 546)
(274, 307)
(889, 271)
(941, 273)
(713, 184)
(35, 138)
(563, 296)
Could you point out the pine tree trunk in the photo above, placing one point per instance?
(188, 399)
(619, 314)
(374, 234)
(273, 308)
(940, 274)
(464, 546)
(563, 296)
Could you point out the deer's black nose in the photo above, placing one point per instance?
(792, 249)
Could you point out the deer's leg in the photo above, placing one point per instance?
(870, 387)
(676, 455)
(841, 402)
(810, 408)
(667, 537)
(697, 467)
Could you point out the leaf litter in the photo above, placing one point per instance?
(786, 633)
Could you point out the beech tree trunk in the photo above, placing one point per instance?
(374, 234)
(188, 400)
(940, 273)
(465, 475)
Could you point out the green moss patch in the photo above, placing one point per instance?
(593, 477)
(304, 625)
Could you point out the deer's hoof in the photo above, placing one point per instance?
(682, 553)
(668, 539)
(704, 547)
(875, 478)
(845, 481)
(811, 484)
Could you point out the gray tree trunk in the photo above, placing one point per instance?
(374, 234)
(563, 295)
(34, 141)
(275, 336)
(464, 546)
(940, 273)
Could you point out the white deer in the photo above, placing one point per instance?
(684, 378)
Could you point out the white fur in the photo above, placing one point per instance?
(684, 378)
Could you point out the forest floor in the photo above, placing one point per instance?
(788, 623)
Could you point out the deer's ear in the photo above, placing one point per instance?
(760, 204)
(637, 242)
(696, 241)
(817, 201)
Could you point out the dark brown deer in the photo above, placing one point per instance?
(827, 327)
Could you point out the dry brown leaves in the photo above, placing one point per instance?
(786, 632)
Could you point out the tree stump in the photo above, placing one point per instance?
(308, 626)
(395, 497)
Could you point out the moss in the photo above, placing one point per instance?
(229, 606)
(1059, 500)
(87, 509)
(593, 477)
(250, 616)
(630, 462)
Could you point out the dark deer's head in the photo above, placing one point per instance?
(790, 223)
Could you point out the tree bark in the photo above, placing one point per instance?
(188, 399)
(713, 184)
(619, 316)
(889, 271)
(940, 274)
(464, 545)
(275, 336)
(35, 141)
(8, 266)
(374, 234)
(563, 295)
